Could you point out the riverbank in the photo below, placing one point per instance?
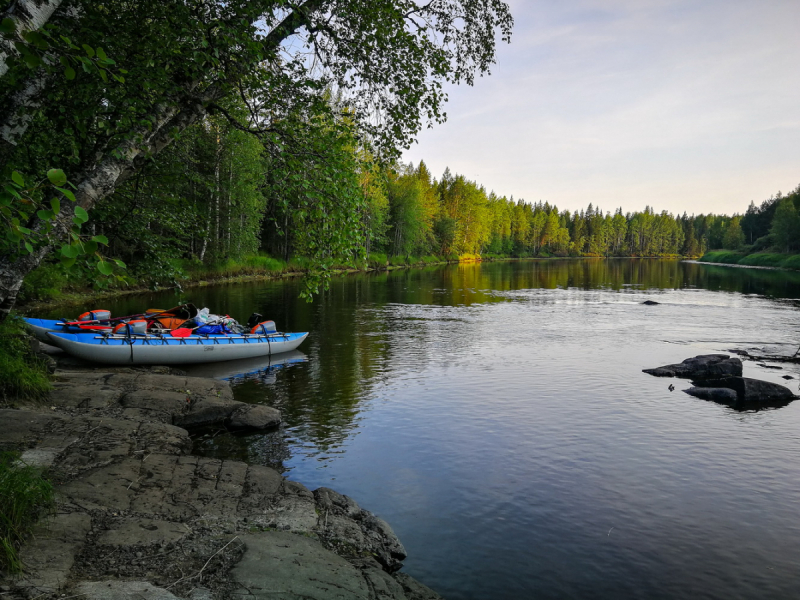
(137, 513)
(244, 273)
(756, 259)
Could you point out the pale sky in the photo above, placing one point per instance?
(685, 105)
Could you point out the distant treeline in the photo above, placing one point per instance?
(215, 196)
(419, 215)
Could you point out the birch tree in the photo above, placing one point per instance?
(119, 80)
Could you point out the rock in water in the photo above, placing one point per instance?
(721, 395)
(651, 303)
(754, 390)
(706, 366)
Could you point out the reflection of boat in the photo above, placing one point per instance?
(162, 349)
(246, 367)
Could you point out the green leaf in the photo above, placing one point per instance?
(7, 26)
(55, 204)
(81, 214)
(44, 215)
(32, 60)
(57, 177)
(101, 53)
(103, 75)
(100, 239)
(120, 264)
(17, 178)
(69, 73)
(67, 193)
(105, 268)
(24, 230)
(28, 247)
(68, 262)
(90, 248)
(70, 251)
(89, 50)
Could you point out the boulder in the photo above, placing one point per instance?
(721, 395)
(254, 416)
(651, 303)
(751, 390)
(706, 366)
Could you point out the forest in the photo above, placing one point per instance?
(145, 142)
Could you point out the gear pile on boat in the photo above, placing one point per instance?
(180, 335)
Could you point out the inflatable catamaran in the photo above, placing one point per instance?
(181, 335)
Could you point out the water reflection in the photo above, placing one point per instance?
(497, 416)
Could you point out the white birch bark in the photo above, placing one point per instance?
(28, 15)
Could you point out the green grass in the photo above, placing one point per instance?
(758, 259)
(46, 282)
(256, 264)
(791, 262)
(24, 497)
(725, 257)
(23, 376)
(763, 259)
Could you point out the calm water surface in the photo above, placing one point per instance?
(497, 416)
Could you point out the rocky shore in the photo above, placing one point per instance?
(140, 517)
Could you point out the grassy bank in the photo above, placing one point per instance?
(50, 285)
(24, 497)
(756, 259)
(23, 376)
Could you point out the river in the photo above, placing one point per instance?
(497, 417)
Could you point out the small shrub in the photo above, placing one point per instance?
(376, 260)
(22, 374)
(46, 282)
(24, 497)
(792, 262)
(722, 256)
(299, 263)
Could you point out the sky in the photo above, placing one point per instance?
(682, 105)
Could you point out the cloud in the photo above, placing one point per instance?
(682, 105)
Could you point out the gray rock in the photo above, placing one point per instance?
(278, 565)
(50, 552)
(754, 390)
(135, 532)
(254, 416)
(414, 589)
(122, 590)
(707, 366)
(722, 395)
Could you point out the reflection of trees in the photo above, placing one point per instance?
(368, 327)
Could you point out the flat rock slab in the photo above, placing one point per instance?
(122, 590)
(136, 508)
(284, 566)
(179, 400)
(135, 532)
(706, 366)
(50, 553)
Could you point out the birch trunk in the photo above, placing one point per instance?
(28, 15)
(99, 180)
